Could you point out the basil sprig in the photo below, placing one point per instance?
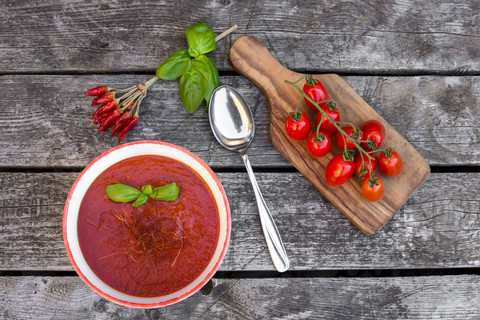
(198, 75)
(123, 193)
(200, 38)
(175, 66)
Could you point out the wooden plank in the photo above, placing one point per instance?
(45, 120)
(356, 36)
(252, 59)
(438, 227)
(435, 297)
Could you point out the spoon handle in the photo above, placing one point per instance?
(274, 242)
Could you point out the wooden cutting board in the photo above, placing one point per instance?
(251, 58)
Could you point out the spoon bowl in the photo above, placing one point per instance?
(233, 127)
(231, 119)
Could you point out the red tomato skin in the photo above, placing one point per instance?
(374, 193)
(391, 167)
(326, 125)
(318, 92)
(349, 131)
(298, 130)
(319, 149)
(338, 171)
(373, 129)
(358, 163)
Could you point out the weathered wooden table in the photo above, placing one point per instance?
(416, 62)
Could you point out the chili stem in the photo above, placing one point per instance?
(126, 95)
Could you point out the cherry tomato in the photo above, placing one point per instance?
(374, 133)
(339, 170)
(356, 134)
(366, 169)
(319, 147)
(316, 91)
(298, 126)
(390, 163)
(326, 126)
(373, 189)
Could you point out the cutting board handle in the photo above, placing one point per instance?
(251, 58)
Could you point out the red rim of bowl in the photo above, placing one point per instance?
(173, 300)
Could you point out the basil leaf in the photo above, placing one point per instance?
(200, 38)
(211, 76)
(122, 193)
(142, 198)
(168, 192)
(147, 189)
(192, 86)
(175, 66)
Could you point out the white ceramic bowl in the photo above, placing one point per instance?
(100, 164)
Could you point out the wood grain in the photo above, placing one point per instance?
(46, 46)
(408, 37)
(251, 58)
(438, 227)
(45, 120)
(436, 297)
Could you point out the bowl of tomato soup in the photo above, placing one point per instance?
(154, 250)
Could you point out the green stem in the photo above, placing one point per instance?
(371, 168)
(298, 80)
(347, 123)
(317, 132)
(310, 81)
(315, 103)
(379, 150)
(296, 109)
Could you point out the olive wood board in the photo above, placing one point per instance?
(251, 58)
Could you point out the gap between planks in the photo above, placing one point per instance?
(233, 73)
(34, 169)
(347, 273)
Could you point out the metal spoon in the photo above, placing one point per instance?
(232, 125)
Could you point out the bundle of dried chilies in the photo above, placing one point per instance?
(198, 78)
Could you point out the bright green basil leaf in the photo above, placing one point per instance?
(168, 192)
(147, 189)
(200, 38)
(142, 198)
(122, 193)
(193, 86)
(211, 75)
(175, 66)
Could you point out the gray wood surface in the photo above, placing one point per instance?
(415, 62)
(435, 297)
(355, 36)
(45, 120)
(437, 227)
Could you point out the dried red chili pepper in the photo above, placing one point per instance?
(109, 96)
(97, 91)
(102, 118)
(109, 106)
(120, 122)
(129, 125)
(110, 120)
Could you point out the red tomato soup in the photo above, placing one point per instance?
(159, 247)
